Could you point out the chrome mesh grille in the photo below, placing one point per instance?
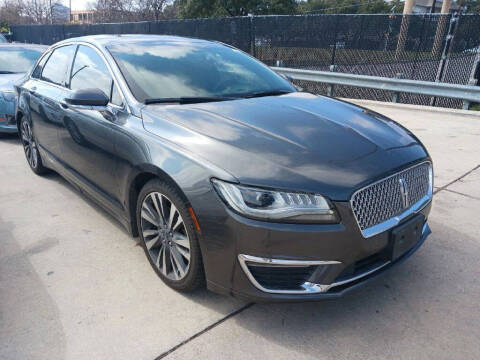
(383, 200)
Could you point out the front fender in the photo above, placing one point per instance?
(141, 153)
(22, 107)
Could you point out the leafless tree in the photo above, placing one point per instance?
(151, 9)
(40, 11)
(37, 10)
(114, 10)
(133, 10)
(11, 12)
(26, 11)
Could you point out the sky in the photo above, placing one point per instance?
(77, 4)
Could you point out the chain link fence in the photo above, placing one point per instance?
(430, 47)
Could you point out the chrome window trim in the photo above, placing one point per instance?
(50, 83)
(394, 221)
(104, 58)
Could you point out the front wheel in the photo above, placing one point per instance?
(168, 236)
(30, 147)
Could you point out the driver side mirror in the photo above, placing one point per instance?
(88, 98)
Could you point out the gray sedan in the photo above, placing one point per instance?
(228, 174)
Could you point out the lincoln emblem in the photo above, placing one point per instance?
(404, 191)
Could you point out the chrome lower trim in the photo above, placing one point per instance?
(308, 287)
(392, 222)
(281, 262)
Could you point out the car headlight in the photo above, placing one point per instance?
(8, 95)
(273, 205)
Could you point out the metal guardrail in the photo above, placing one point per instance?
(467, 93)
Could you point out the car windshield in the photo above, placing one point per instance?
(187, 70)
(17, 60)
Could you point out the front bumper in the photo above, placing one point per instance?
(314, 291)
(338, 248)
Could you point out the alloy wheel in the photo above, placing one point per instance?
(165, 236)
(29, 145)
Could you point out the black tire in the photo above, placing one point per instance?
(30, 147)
(194, 277)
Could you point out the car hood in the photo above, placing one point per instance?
(7, 81)
(297, 141)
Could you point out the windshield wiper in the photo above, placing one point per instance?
(187, 100)
(267, 93)
(7, 72)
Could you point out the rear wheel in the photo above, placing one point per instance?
(168, 236)
(30, 147)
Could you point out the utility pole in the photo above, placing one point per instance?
(446, 4)
(70, 10)
(402, 35)
(441, 27)
(446, 49)
(433, 8)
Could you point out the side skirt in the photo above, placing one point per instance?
(106, 202)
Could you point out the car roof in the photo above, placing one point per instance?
(23, 46)
(107, 40)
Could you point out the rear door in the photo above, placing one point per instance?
(86, 136)
(45, 91)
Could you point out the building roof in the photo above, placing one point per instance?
(74, 12)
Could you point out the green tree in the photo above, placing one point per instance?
(377, 7)
(188, 9)
(276, 7)
(472, 6)
(350, 6)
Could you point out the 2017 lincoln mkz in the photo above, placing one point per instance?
(229, 175)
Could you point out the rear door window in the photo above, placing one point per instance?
(38, 69)
(57, 66)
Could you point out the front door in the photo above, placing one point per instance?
(85, 135)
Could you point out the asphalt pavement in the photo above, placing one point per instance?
(75, 285)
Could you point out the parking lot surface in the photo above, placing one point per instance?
(75, 285)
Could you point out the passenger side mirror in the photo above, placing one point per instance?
(88, 98)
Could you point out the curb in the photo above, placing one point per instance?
(461, 112)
